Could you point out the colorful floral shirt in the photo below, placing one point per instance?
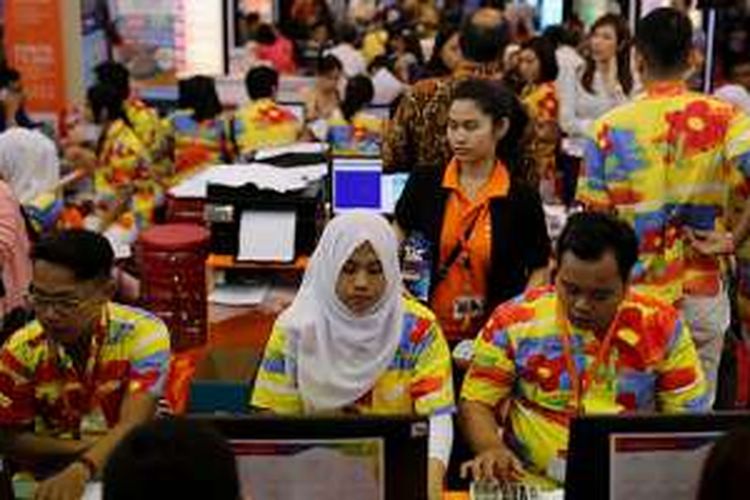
(666, 162)
(543, 107)
(418, 379)
(651, 364)
(125, 162)
(263, 124)
(196, 144)
(362, 136)
(148, 128)
(40, 386)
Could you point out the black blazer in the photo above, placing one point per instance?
(520, 243)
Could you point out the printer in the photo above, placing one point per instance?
(226, 205)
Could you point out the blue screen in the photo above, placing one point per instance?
(356, 189)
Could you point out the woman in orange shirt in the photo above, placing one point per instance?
(484, 223)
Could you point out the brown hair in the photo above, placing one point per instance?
(624, 74)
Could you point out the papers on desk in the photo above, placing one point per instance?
(94, 491)
(262, 176)
(121, 240)
(239, 295)
(296, 148)
(267, 236)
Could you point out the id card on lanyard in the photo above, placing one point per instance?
(469, 306)
(81, 418)
(590, 393)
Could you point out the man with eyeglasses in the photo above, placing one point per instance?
(87, 371)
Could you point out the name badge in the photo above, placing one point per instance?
(468, 307)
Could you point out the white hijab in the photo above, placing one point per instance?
(340, 355)
(28, 162)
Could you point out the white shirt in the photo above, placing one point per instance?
(736, 94)
(387, 87)
(351, 59)
(579, 108)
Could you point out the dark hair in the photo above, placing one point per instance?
(252, 17)
(731, 63)
(8, 75)
(358, 94)
(498, 102)
(347, 33)
(411, 41)
(328, 64)
(545, 53)
(435, 66)
(89, 255)
(265, 35)
(558, 35)
(104, 97)
(172, 458)
(589, 235)
(199, 94)
(726, 468)
(483, 43)
(114, 74)
(261, 82)
(665, 38)
(624, 73)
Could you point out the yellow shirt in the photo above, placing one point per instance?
(418, 380)
(263, 124)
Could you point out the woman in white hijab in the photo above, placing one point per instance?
(28, 162)
(352, 341)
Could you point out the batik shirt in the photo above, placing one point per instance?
(543, 107)
(417, 381)
(650, 365)
(666, 162)
(41, 388)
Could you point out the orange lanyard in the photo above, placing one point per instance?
(579, 385)
(90, 374)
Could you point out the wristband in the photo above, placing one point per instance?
(89, 464)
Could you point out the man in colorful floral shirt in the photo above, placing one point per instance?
(262, 123)
(77, 380)
(588, 345)
(667, 163)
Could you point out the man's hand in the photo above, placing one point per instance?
(711, 242)
(496, 463)
(67, 485)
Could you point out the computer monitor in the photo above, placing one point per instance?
(356, 184)
(295, 108)
(367, 458)
(659, 457)
(360, 184)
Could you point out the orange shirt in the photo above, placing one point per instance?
(467, 277)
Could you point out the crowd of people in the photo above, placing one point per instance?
(520, 330)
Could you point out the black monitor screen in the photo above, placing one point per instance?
(658, 457)
(338, 457)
